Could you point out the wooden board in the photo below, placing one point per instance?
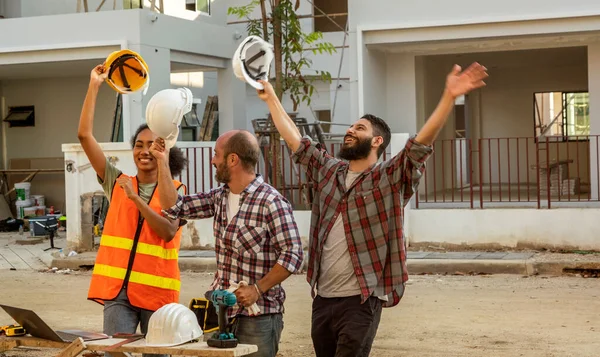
(13, 259)
(208, 109)
(189, 349)
(4, 265)
(199, 349)
(34, 262)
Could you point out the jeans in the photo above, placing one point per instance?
(121, 316)
(263, 331)
(343, 327)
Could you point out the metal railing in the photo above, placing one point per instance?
(290, 180)
(511, 172)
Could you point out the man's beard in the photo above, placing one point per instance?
(358, 150)
(223, 175)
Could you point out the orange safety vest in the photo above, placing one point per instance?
(132, 255)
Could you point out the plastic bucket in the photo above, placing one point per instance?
(29, 212)
(40, 210)
(22, 189)
(38, 200)
(21, 205)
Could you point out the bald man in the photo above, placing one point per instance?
(257, 239)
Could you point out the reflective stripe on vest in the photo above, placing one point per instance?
(137, 277)
(132, 253)
(142, 248)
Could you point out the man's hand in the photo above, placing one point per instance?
(459, 83)
(127, 186)
(158, 150)
(98, 75)
(268, 93)
(246, 295)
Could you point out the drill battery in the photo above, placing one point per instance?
(12, 330)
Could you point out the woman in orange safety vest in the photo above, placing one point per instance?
(136, 269)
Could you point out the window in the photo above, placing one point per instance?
(20, 116)
(202, 6)
(132, 4)
(564, 115)
(337, 10)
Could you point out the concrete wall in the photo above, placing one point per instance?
(57, 103)
(176, 8)
(461, 11)
(11, 8)
(556, 228)
(504, 109)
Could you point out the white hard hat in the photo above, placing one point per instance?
(252, 61)
(164, 113)
(172, 325)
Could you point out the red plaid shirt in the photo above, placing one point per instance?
(372, 210)
(262, 234)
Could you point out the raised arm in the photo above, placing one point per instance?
(457, 83)
(167, 192)
(407, 167)
(86, 123)
(174, 206)
(284, 124)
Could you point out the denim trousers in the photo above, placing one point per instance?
(121, 316)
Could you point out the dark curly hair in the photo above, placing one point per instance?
(177, 161)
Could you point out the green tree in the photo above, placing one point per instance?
(282, 28)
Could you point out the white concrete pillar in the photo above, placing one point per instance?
(401, 93)
(134, 105)
(374, 84)
(232, 101)
(594, 93)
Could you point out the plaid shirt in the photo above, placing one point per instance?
(263, 233)
(372, 210)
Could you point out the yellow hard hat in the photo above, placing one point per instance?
(127, 71)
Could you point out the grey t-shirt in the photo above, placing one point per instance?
(336, 272)
(110, 176)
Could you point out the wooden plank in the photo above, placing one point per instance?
(4, 264)
(13, 259)
(8, 344)
(28, 341)
(38, 251)
(30, 259)
(188, 349)
(210, 126)
(206, 117)
(75, 348)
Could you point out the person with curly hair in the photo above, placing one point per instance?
(136, 270)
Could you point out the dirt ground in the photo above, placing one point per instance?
(439, 315)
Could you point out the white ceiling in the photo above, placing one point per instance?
(47, 69)
(562, 56)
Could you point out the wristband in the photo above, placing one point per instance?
(260, 292)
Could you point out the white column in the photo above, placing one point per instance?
(134, 105)
(232, 101)
(401, 93)
(594, 93)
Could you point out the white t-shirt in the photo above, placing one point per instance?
(233, 206)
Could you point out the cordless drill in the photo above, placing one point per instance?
(222, 300)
